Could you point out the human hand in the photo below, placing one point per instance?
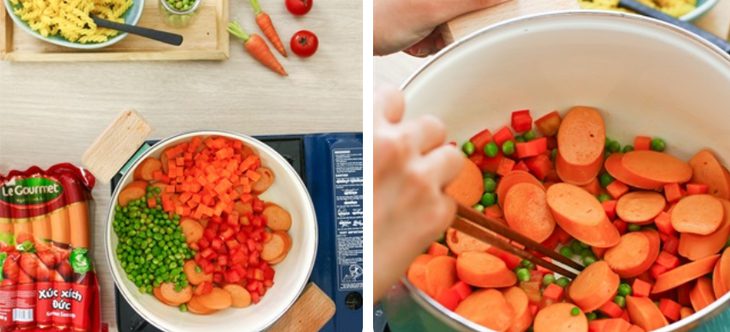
(411, 25)
(411, 167)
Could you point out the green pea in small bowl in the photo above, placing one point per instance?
(131, 17)
(179, 16)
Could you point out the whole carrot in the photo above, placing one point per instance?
(256, 46)
(267, 27)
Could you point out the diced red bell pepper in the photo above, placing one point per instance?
(670, 244)
(533, 309)
(683, 294)
(438, 249)
(663, 223)
(672, 192)
(642, 143)
(696, 188)
(611, 309)
(449, 298)
(539, 166)
(667, 260)
(610, 208)
(640, 288)
(616, 189)
(598, 251)
(553, 292)
(621, 226)
(480, 140)
(549, 123)
(531, 148)
(521, 120)
(493, 211)
(521, 166)
(656, 270)
(478, 159)
(512, 261)
(503, 135)
(491, 164)
(505, 166)
(670, 309)
(552, 241)
(462, 288)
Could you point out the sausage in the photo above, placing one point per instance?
(273, 248)
(468, 186)
(694, 246)
(60, 226)
(197, 308)
(416, 273)
(158, 295)
(697, 214)
(192, 229)
(718, 283)
(131, 193)
(644, 313)
(195, 274)
(656, 166)
(706, 169)
(581, 215)
(526, 211)
(614, 166)
(724, 268)
(440, 274)
(519, 302)
(488, 308)
(481, 269)
(217, 299)
(634, 254)
(640, 207)
(169, 293)
(581, 140)
(684, 274)
(277, 218)
(594, 286)
(240, 297)
(512, 178)
(702, 294)
(78, 214)
(264, 182)
(558, 317)
(147, 168)
(459, 242)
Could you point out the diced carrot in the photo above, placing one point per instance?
(663, 223)
(521, 166)
(672, 192)
(642, 143)
(540, 166)
(657, 270)
(505, 166)
(621, 226)
(593, 187)
(667, 260)
(553, 292)
(670, 309)
(438, 249)
(611, 309)
(548, 124)
(616, 189)
(449, 298)
(696, 188)
(641, 288)
(462, 288)
(531, 148)
(610, 208)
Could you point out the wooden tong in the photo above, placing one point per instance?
(478, 225)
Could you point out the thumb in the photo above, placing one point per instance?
(442, 11)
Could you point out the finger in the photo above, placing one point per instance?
(443, 163)
(441, 11)
(389, 102)
(426, 133)
(433, 43)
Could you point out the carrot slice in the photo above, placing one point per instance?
(725, 268)
(697, 214)
(577, 175)
(519, 302)
(440, 274)
(240, 297)
(483, 270)
(609, 325)
(581, 215)
(488, 308)
(701, 294)
(467, 187)
(169, 293)
(459, 242)
(695, 246)
(277, 218)
(645, 313)
(146, 168)
(706, 169)
(158, 295)
(594, 286)
(192, 230)
(526, 211)
(615, 168)
(265, 181)
(512, 178)
(131, 193)
(196, 307)
(640, 206)
(581, 140)
(718, 284)
(195, 274)
(274, 247)
(217, 299)
(684, 274)
(634, 254)
(558, 317)
(657, 166)
(417, 271)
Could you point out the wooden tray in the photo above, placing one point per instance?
(205, 39)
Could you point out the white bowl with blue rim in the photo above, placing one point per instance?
(131, 17)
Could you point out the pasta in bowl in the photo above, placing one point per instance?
(68, 22)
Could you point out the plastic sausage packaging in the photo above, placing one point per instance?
(47, 280)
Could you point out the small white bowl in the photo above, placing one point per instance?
(291, 276)
(703, 6)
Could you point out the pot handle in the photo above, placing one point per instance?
(314, 304)
(116, 145)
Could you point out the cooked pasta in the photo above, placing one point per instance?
(71, 19)
(674, 8)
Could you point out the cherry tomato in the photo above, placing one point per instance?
(304, 43)
(299, 7)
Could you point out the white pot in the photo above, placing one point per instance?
(292, 274)
(647, 77)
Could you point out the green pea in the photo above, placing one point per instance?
(562, 282)
(658, 144)
(489, 175)
(530, 135)
(523, 274)
(527, 264)
(478, 207)
(588, 260)
(634, 227)
(489, 199)
(491, 149)
(605, 179)
(624, 289)
(620, 300)
(575, 311)
(468, 148)
(554, 153)
(576, 246)
(604, 197)
(489, 185)
(508, 148)
(183, 307)
(627, 148)
(591, 315)
(566, 251)
(548, 279)
(520, 139)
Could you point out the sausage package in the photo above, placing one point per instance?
(47, 281)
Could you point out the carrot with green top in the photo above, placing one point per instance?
(267, 27)
(256, 46)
